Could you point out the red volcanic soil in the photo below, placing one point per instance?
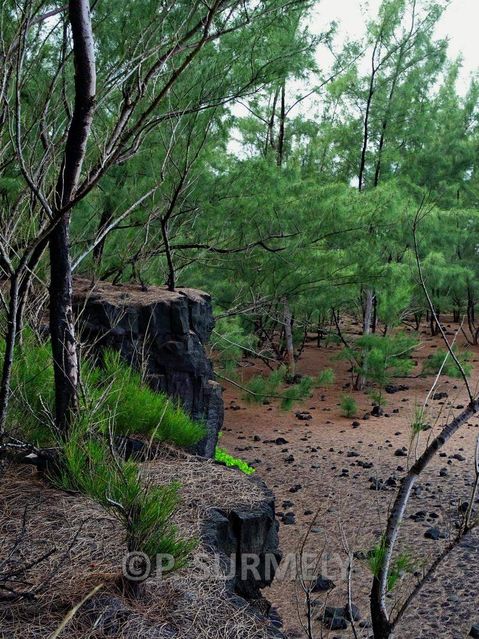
(326, 470)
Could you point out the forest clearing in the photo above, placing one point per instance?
(336, 462)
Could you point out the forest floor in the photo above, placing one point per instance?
(321, 470)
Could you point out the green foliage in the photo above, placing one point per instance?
(379, 358)
(348, 406)
(325, 378)
(32, 390)
(419, 423)
(377, 397)
(296, 392)
(138, 409)
(144, 510)
(435, 362)
(225, 458)
(401, 565)
(332, 340)
(229, 342)
(123, 400)
(263, 387)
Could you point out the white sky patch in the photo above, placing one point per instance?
(458, 24)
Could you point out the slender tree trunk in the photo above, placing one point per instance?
(10, 339)
(62, 329)
(375, 315)
(470, 318)
(99, 248)
(367, 115)
(270, 142)
(367, 325)
(382, 623)
(288, 334)
(171, 280)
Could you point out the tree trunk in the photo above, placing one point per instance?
(62, 329)
(367, 323)
(288, 334)
(99, 248)
(382, 623)
(8, 358)
(375, 314)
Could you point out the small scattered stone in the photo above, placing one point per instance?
(474, 632)
(434, 534)
(351, 613)
(322, 584)
(392, 388)
(304, 416)
(288, 519)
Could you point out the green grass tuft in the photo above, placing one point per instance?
(139, 409)
(117, 392)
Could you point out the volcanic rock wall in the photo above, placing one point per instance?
(162, 333)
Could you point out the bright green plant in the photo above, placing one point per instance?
(348, 406)
(225, 458)
(435, 362)
(122, 399)
(32, 390)
(139, 409)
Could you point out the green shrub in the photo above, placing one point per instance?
(144, 510)
(225, 458)
(349, 406)
(379, 358)
(377, 397)
(402, 564)
(325, 378)
(332, 340)
(419, 423)
(262, 387)
(434, 362)
(297, 392)
(32, 390)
